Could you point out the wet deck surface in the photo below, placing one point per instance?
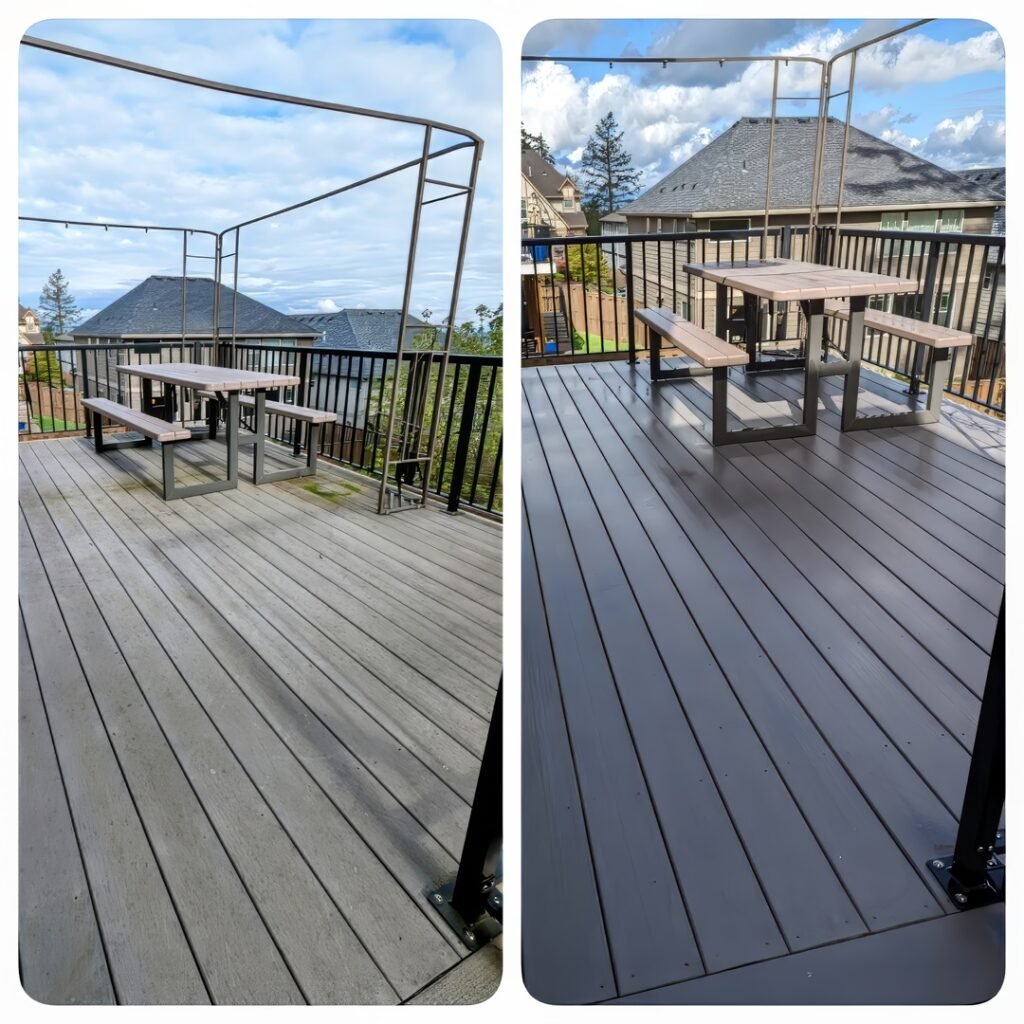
(751, 677)
(251, 725)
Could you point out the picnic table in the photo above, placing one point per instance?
(810, 284)
(224, 382)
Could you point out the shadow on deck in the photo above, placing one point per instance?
(751, 682)
(251, 725)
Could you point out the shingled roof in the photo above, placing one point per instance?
(544, 176)
(153, 310)
(729, 174)
(368, 330)
(993, 178)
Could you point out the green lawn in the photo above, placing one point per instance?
(49, 423)
(595, 343)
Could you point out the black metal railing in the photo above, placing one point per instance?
(961, 284)
(353, 384)
(578, 303)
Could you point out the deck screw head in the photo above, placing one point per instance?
(438, 898)
(938, 864)
(960, 897)
(981, 849)
(469, 936)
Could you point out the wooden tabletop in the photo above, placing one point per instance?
(209, 378)
(788, 280)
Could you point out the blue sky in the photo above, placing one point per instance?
(101, 144)
(938, 91)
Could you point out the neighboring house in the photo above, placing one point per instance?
(372, 332)
(29, 331)
(151, 314)
(550, 202)
(993, 295)
(722, 187)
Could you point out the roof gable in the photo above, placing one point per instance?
(544, 176)
(153, 309)
(368, 330)
(730, 173)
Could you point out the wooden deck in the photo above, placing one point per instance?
(751, 680)
(251, 725)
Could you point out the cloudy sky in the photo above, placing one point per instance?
(103, 144)
(938, 91)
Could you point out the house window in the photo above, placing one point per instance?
(945, 308)
(522, 210)
(682, 305)
(891, 222)
(729, 224)
(567, 204)
(920, 220)
(953, 220)
(986, 281)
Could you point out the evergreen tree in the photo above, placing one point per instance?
(57, 310)
(607, 172)
(527, 140)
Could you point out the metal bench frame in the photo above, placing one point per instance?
(851, 390)
(259, 475)
(170, 489)
(721, 434)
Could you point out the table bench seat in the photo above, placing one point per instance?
(295, 412)
(714, 356)
(924, 333)
(152, 429)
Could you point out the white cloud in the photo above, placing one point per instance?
(327, 306)
(666, 115)
(98, 143)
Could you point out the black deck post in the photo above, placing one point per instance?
(465, 433)
(470, 902)
(975, 875)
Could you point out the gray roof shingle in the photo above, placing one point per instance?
(993, 178)
(153, 309)
(368, 330)
(545, 177)
(730, 173)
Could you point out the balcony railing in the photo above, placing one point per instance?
(578, 303)
(353, 384)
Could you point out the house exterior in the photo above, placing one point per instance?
(722, 187)
(151, 315)
(371, 332)
(550, 202)
(29, 330)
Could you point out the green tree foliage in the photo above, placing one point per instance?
(606, 169)
(57, 310)
(586, 263)
(43, 365)
(527, 140)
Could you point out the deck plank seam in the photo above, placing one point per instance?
(926, 654)
(528, 539)
(120, 767)
(71, 815)
(625, 717)
(811, 640)
(174, 752)
(245, 770)
(840, 761)
(312, 713)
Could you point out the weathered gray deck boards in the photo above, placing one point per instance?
(284, 805)
(829, 678)
(53, 893)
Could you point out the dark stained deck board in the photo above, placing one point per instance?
(877, 625)
(744, 533)
(53, 890)
(954, 960)
(753, 716)
(566, 924)
(352, 924)
(648, 930)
